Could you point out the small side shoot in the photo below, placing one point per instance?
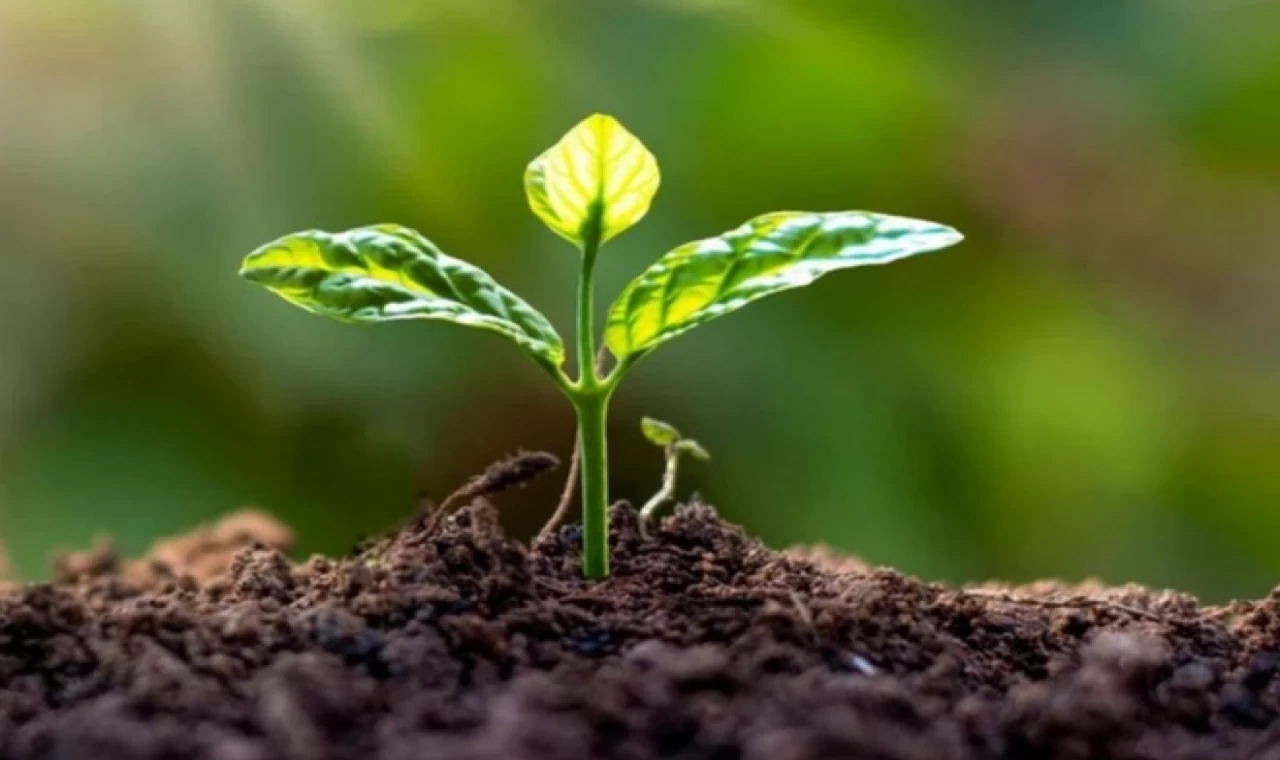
(674, 446)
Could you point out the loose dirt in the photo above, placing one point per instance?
(465, 645)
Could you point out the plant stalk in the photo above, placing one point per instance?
(593, 413)
(591, 401)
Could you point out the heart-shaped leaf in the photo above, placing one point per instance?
(595, 183)
(705, 279)
(387, 273)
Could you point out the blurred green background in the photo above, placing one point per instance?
(1086, 387)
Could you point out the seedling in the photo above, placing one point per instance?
(673, 446)
(590, 187)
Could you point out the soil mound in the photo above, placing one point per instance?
(464, 645)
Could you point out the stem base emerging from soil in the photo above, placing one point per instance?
(593, 413)
(590, 399)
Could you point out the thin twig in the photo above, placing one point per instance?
(566, 496)
(1000, 596)
(500, 476)
(575, 467)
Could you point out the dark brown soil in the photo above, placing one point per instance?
(465, 645)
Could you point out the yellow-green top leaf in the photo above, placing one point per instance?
(595, 183)
(387, 273)
(705, 279)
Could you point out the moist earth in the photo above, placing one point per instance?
(464, 644)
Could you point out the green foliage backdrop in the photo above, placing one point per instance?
(1088, 386)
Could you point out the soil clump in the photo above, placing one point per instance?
(462, 644)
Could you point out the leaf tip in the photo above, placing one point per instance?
(249, 269)
(600, 118)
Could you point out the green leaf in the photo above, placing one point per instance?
(693, 449)
(705, 279)
(388, 273)
(659, 433)
(597, 181)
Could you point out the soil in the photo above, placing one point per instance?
(463, 644)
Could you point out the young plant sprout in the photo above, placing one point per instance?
(590, 187)
(673, 446)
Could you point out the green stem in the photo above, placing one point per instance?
(593, 412)
(587, 378)
(668, 490)
(591, 400)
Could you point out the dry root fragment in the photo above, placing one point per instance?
(504, 475)
(1079, 603)
(566, 496)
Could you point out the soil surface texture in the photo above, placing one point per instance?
(464, 645)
